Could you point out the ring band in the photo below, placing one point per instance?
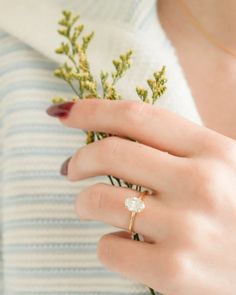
(135, 205)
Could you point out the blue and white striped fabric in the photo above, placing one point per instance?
(45, 248)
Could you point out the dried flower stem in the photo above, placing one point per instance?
(78, 76)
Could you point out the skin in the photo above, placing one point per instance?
(189, 222)
(210, 72)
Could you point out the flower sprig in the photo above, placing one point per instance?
(157, 86)
(121, 66)
(76, 72)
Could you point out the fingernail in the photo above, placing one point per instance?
(60, 110)
(64, 166)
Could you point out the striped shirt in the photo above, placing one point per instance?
(45, 248)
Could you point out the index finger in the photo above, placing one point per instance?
(148, 124)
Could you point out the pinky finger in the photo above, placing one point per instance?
(133, 259)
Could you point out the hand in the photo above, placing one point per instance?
(189, 222)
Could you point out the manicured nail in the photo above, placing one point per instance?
(60, 110)
(64, 166)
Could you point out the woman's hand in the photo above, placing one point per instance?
(189, 222)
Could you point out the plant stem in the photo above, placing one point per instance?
(111, 179)
(136, 236)
(118, 180)
(73, 88)
(152, 291)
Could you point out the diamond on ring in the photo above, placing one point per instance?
(134, 204)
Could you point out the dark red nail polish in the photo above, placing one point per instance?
(64, 166)
(60, 110)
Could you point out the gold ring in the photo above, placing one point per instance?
(135, 205)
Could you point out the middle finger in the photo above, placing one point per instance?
(131, 161)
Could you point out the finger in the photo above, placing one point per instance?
(127, 160)
(106, 203)
(151, 125)
(127, 235)
(140, 261)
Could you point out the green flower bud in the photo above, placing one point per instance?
(67, 14)
(58, 100)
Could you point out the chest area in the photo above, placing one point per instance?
(213, 86)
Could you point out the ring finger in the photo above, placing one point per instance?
(106, 203)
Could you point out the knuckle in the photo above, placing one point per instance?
(217, 145)
(104, 249)
(134, 111)
(192, 223)
(178, 268)
(227, 152)
(110, 149)
(206, 176)
(111, 143)
(204, 229)
(89, 204)
(205, 141)
(96, 201)
(99, 186)
(185, 170)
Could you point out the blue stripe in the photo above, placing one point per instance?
(40, 128)
(38, 151)
(33, 174)
(54, 271)
(2, 37)
(35, 84)
(45, 176)
(27, 65)
(38, 155)
(38, 198)
(40, 174)
(17, 109)
(3, 34)
(56, 223)
(5, 50)
(82, 293)
(34, 104)
(149, 17)
(18, 248)
(12, 132)
(134, 5)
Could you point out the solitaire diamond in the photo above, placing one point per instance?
(134, 204)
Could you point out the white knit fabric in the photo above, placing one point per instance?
(45, 248)
(35, 23)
